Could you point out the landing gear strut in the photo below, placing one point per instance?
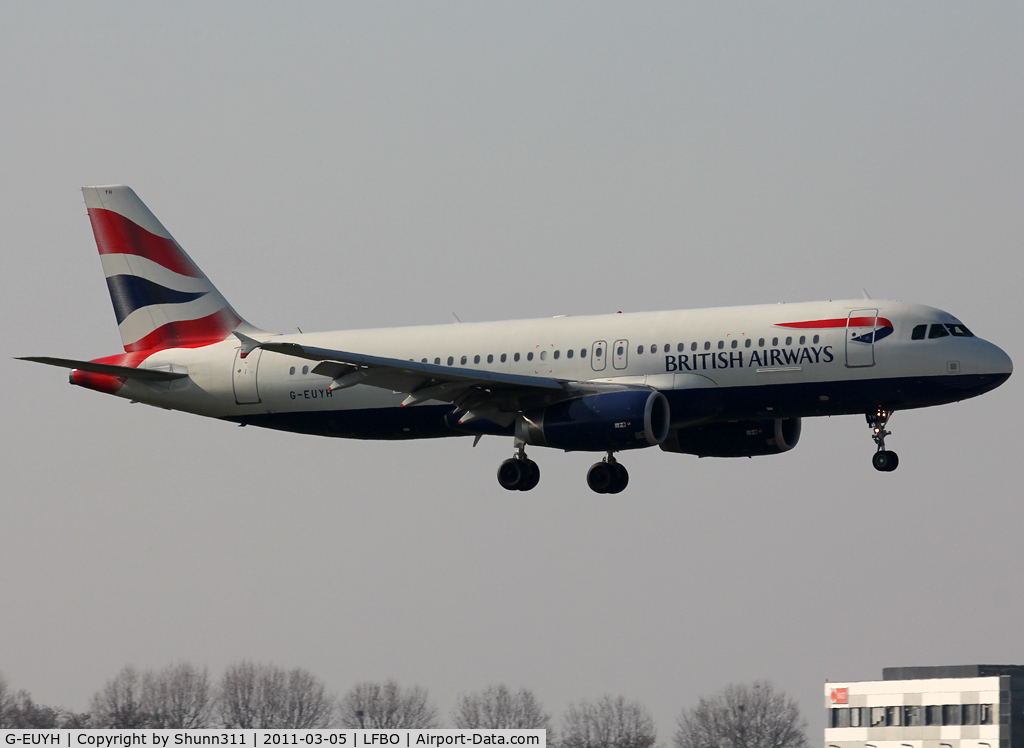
(519, 473)
(883, 460)
(607, 476)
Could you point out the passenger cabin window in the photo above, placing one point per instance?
(747, 342)
(583, 352)
(938, 331)
(721, 344)
(423, 361)
(816, 339)
(775, 341)
(693, 346)
(490, 358)
(654, 348)
(667, 348)
(291, 370)
(707, 345)
(918, 333)
(529, 356)
(476, 359)
(305, 370)
(618, 351)
(437, 361)
(568, 353)
(734, 344)
(504, 357)
(451, 360)
(760, 342)
(543, 355)
(557, 354)
(803, 339)
(681, 347)
(639, 349)
(463, 360)
(789, 341)
(515, 357)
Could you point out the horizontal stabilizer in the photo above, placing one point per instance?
(145, 375)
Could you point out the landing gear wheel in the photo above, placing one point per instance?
(885, 461)
(620, 478)
(531, 475)
(600, 477)
(511, 474)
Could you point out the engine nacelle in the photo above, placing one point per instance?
(595, 423)
(737, 439)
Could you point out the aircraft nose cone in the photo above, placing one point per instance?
(997, 362)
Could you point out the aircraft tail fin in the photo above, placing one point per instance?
(161, 298)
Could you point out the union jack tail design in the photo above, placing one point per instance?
(161, 298)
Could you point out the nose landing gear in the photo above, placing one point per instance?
(607, 476)
(519, 473)
(883, 460)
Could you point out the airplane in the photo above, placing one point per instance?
(726, 382)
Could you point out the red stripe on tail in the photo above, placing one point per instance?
(115, 234)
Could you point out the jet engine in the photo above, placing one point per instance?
(736, 439)
(627, 419)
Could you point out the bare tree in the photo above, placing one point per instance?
(5, 702)
(177, 697)
(608, 723)
(264, 696)
(742, 716)
(384, 706)
(498, 708)
(119, 702)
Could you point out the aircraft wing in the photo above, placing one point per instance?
(477, 393)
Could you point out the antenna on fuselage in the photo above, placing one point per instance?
(867, 296)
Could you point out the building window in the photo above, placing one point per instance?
(951, 714)
(969, 715)
(933, 714)
(985, 714)
(857, 716)
(840, 717)
(912, 716)
(893, 716)
(878, 716)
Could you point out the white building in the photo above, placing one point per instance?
(965, 706)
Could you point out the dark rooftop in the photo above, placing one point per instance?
(951, 671)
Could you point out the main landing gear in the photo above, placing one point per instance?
(519, 473)
(607, 476)
(883, 460)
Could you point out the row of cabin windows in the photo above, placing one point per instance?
(940, 331)
(463, 360)
(735, 343)
(911, 716)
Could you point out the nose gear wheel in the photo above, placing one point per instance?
(883, 460)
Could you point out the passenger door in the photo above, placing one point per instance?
(243, 377)
(860, 338)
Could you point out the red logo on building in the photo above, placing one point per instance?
(840, 695)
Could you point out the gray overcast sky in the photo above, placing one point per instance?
(340, 165)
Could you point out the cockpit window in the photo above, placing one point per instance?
(937, 331)
(959, 331)
(918, 333)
